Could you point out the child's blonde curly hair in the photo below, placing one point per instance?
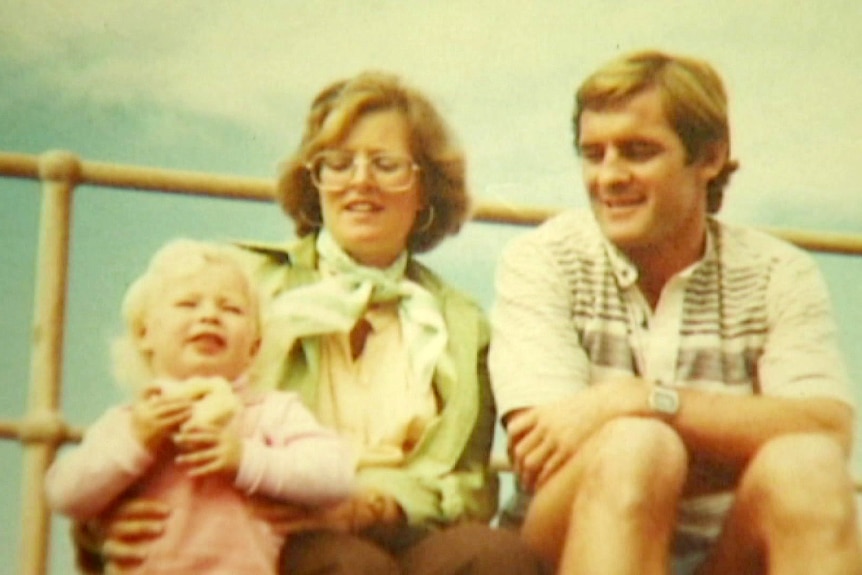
(132, 365)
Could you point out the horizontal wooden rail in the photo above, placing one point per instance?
(46, 427)
(139, 178)
(261, 189)
(43, 428)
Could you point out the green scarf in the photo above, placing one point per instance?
(335, 303)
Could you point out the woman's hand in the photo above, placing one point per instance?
(284, 518)
(209, 450)
(155, 417)
(361, 512)
(128, 531)
(374, 508)
(353, 515)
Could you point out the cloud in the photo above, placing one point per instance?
(502, 71)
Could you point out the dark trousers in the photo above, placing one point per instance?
(466, 549)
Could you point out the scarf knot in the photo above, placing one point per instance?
(340, 299)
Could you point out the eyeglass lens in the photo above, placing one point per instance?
(337, 169)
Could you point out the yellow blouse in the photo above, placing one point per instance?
(370, 399)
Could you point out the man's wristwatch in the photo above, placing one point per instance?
(663, 400)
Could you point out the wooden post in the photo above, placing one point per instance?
(59, 172)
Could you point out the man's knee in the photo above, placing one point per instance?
(636, 462)
(799, 481)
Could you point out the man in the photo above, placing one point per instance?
(671, 385)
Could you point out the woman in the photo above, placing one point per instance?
(378, 346)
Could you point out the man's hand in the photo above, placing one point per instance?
(543, 438)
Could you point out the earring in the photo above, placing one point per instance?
(427, 224)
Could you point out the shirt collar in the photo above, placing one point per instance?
(626, 272)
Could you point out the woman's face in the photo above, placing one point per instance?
(368, 222)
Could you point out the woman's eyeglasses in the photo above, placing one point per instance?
(335, 170)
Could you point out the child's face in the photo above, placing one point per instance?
(201, 323)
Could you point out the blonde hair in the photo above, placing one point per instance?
(132, 366)
(693, 97)
(442, 165)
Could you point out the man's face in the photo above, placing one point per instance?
(642, 189)
(201, 323)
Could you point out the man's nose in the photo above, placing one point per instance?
(612, 171)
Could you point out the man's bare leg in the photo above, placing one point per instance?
(611, 509)
(794, 514)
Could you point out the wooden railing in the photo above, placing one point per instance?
(43, 429)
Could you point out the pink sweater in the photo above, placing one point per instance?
(287, 455)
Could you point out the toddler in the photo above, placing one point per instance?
(198, 435)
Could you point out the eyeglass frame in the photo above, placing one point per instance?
(368, 159)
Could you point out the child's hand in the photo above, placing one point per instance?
(155, 417)
(208, 450)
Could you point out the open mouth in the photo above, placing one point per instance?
(623, 202)
(362, 207)
(208, 342)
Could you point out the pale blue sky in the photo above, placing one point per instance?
(223, 86)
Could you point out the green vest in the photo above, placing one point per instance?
(446, 477)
